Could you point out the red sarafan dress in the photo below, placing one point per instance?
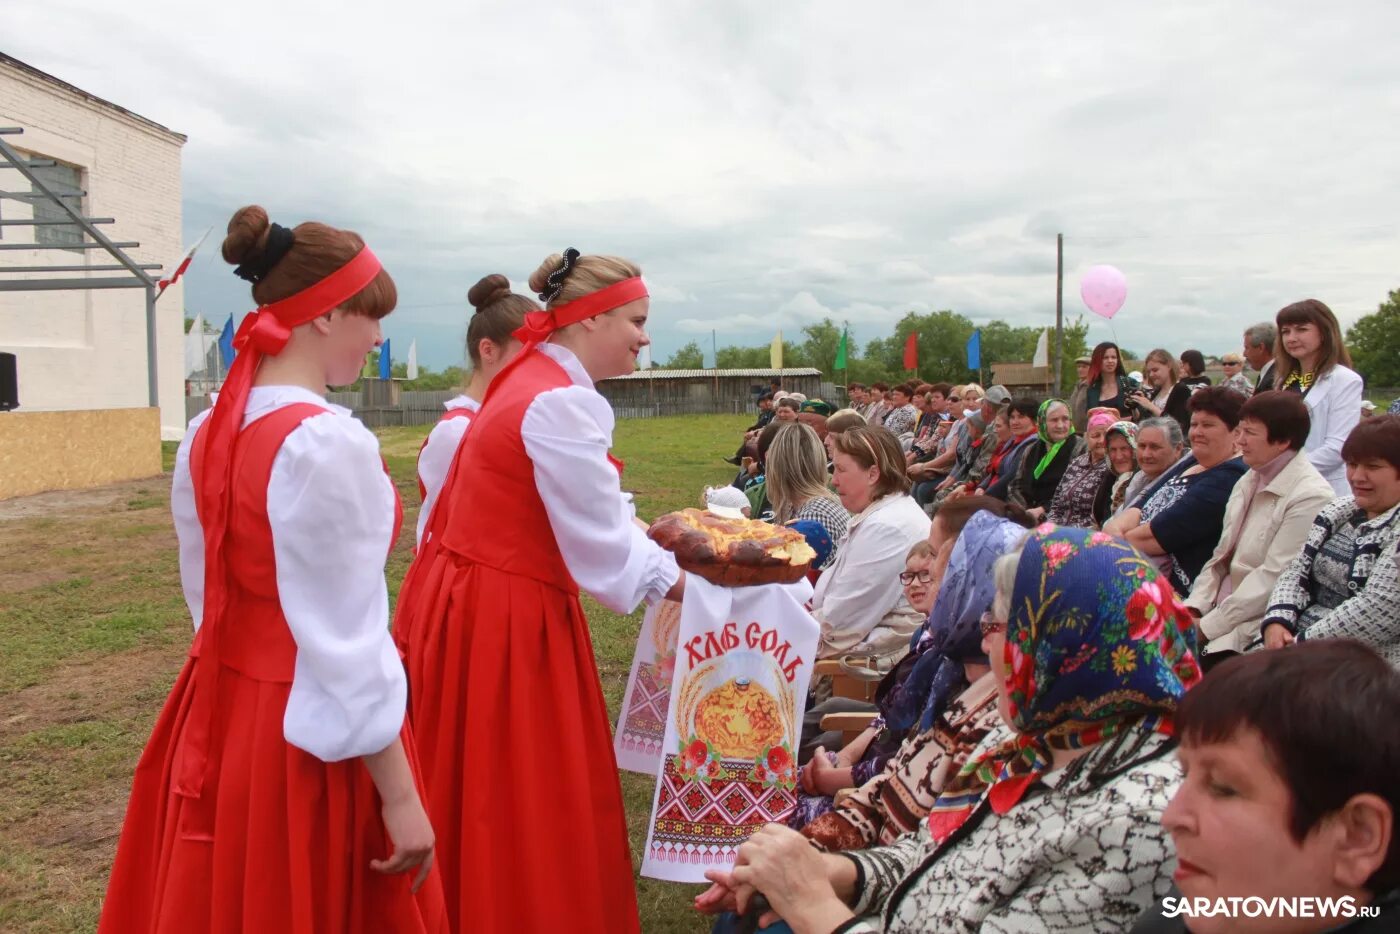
(278, 840)
(505, 701)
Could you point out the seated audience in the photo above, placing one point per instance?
(1344, 584)
(878, 406)
(1006, 460)
(1179, 523)
(786, 409)
(765, 415)
(751, 479)
(1289, 791)
(1073, 501)
(900, 419)
(1053, 823)
(796, 484)
(858, 601)
(1266, 521)
(1161, 452)
(965, 453)
(1120, 443)
(1047, 459)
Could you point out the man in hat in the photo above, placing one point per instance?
(1079, 398)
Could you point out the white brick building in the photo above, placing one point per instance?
(87, 349)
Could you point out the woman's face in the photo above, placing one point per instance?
(349, 338)
(1120, 454)
(1154, 452)
(1057, 423)
(1232, 368)
(1212, 441)
(1253, 439)
(1095, 439)
(618, 338)
(1021, 424)
(786, 413)
(900, 398)
(1002, 427)
(1158, 374)
(1375, 483)
(854, 484)
(1110, 361)
(920, 593)
(1229, 822)
(1302, 341)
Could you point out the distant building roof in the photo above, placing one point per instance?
(711, 374)
(73, 89)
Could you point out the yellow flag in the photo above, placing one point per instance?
(775, 352)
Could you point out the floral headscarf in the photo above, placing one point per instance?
(952, 634)
(1128, 430)
(1097, 641)
(1042, 425)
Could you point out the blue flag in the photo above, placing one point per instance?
(226, 351)
(974, 351)
(385, 361)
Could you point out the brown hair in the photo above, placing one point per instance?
(1314, 709)
(874, 446)
(1310, 311)
(317, 251)
(1221, 401)
(499, 312)
(1158, 355)
(844, 420)
(1283, 414)
(1376, 437)
(954, 513)
(943, 389)
(589, 274)
(920, 549)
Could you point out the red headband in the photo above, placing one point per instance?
(263, 333)
(540, 324)
(269, 328)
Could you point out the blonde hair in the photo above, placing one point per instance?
(795, 468)
(588, 275)
(844, 420)
(1158, 355)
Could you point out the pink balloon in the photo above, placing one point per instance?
(1104, 290)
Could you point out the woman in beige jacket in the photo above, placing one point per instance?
(1266, 521)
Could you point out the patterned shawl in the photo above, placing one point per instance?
(1042, 424)
(1096, 641)
(952, 634)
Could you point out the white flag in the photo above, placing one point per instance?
(184, 263)
(413, 359)
(196, 347)
(1042, 350)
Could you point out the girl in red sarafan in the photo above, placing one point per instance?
(278, 790)
(505, 700)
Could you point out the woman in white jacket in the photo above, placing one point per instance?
(1311, 359)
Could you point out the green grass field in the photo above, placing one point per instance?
(93, 629)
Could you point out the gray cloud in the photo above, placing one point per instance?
(772, 164)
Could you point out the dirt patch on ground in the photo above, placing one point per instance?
(97, 501)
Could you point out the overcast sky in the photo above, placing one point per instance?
(771, 164)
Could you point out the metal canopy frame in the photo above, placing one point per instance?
(138, 274)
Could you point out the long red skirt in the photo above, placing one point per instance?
(517, 754)
(292, 836)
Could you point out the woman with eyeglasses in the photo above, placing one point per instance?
(1053, 822)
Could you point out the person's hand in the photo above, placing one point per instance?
(412, 836)
(779, 862)
(1277, 636)
(721, 896)
(1037, 513)
(818, 776)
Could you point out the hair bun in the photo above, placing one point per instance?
(489, 290)
(247, 235)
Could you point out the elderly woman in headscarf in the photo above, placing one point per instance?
(948, 700)
(1053, 824)
(1120, 447)
(1047, 458)
(1073, 502)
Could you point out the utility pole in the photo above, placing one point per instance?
(1059, 307)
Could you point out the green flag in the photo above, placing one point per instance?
(841, 352)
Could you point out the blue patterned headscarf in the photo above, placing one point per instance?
(953, 634)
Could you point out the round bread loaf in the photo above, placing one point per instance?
(733, 552)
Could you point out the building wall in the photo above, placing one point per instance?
(87, 349)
